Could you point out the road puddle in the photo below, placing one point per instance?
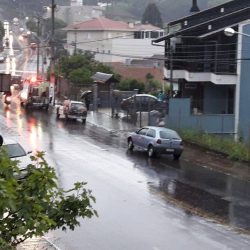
(208, 193)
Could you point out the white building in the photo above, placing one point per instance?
(114, 41)
(75, 2)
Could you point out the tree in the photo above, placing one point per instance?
(79, 68)
(80, 76)
(34, 205)
(152, 15)
(1, 30)
(152, 85)
(131, 84)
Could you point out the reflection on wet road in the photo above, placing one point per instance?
(143, 203)
(199, 190)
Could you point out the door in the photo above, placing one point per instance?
(140, 138)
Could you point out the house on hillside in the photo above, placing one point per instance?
(114, 41)
(211, 70)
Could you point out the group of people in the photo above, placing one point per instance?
(163, 97)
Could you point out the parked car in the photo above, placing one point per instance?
(16, 152)
(156, 141)
(72, 110)
(140, 102)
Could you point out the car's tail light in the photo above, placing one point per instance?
(8, 98)
(158, 141)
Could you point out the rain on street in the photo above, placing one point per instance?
(142, 203)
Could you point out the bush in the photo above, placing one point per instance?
(36, 204)
(234, 150)
(131, 84)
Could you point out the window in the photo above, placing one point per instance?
(154, 34)
(14, 150)
(35, 92)
(77, 106)
(151, 133)
(190, 86)
(138, 35)
(143, 131)
(169, 135)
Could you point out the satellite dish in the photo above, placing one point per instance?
(1, 140)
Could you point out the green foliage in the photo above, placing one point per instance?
(79, 68)
(36, 204)
(152, 87)
(131, 84)
(132, 9)
(80, 76)
(170, 9)
(152, 15)
(1, 31)
(234, 150)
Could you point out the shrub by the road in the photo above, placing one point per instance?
(234, 150)
(35, 204)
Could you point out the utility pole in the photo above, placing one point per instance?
(171, 71)
(75, 43)
(38, 47)
(52, 60)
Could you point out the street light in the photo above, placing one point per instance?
(230, 32)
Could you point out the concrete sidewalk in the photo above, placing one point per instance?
(103, 119)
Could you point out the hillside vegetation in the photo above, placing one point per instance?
(121, 9)
(22, 8)
(170, 9)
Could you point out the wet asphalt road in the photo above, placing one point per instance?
(142, 203)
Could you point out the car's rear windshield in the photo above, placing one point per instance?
(14, 150)
(77, 105)
(169, 135)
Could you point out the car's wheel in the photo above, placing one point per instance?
(130, 144)
(177, 156)
(151, 151)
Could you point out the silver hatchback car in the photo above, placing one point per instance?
(156, 140)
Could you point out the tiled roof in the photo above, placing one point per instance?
(103, 23)
(137, 72)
